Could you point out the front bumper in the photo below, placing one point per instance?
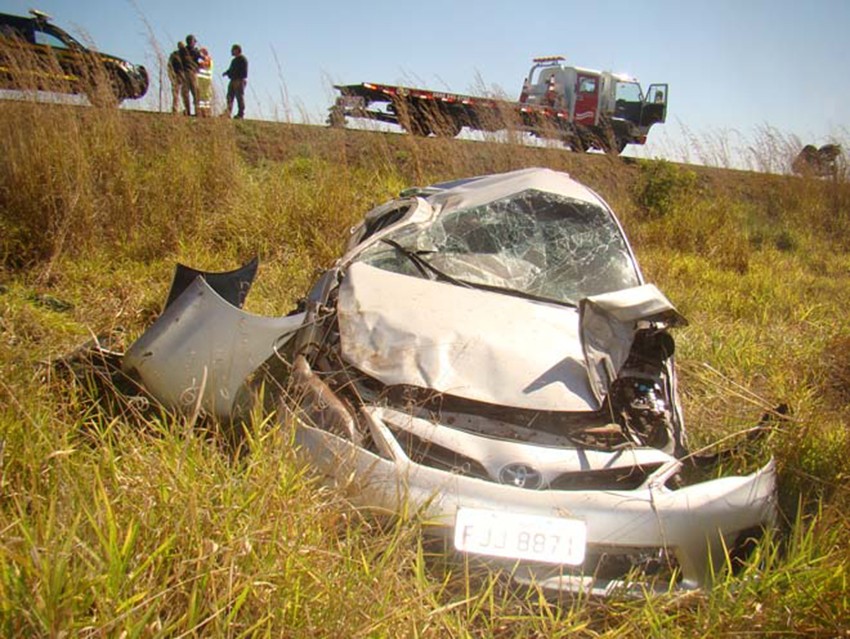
(689, 529)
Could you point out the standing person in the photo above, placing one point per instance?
(191, 60)
(238, 74)
(205, 87)
(175, 75)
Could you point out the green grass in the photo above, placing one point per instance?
(111, 527)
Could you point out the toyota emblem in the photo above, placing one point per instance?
(521, 476)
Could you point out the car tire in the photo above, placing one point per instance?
(103, 97)
(105, 89)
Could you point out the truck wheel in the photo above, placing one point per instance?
(411, 117)
(578, 144)
(445, 126)
(617, 146)
(336, 118)
(609, 144)
(415, 125)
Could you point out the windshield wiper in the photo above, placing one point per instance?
(423, 266)
(519, 293)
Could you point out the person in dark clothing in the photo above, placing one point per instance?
(191, 59)
(175, 75)
(238, 74)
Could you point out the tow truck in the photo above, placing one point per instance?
(583, 108)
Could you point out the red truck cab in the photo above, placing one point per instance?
(591, 98)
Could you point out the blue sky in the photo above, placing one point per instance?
(734, 67)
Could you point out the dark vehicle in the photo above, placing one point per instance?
(37, 55)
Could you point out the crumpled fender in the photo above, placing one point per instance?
(201, 350)
(608, 323)
(231, 285)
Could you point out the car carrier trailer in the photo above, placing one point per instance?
(583, 108)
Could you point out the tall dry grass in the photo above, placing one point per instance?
(763, 148)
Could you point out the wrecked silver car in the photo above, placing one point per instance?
(486, 352)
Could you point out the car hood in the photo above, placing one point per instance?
(475, 344)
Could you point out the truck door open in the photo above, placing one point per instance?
(654, 108)
(587, 99)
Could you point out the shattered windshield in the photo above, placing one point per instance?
(535, 243)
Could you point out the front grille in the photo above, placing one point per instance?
(628, 478)
(430, 454)
(433, 455)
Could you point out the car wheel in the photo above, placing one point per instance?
(102, 97)
(105, 90)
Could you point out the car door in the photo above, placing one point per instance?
(587, 99)
(59, 58)
(16, 46)
(655, 105)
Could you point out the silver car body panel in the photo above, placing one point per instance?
(473, 344)
(495, 454)
(199, 353)
(486, 189)
(690, 523)
(608, 324)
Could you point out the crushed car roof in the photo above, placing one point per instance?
(477, 191)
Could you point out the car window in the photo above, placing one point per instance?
(587, 85)
(629, 91)
(535, 242)
(385, 220)
(50, 40)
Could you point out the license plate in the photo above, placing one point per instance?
(499, 534)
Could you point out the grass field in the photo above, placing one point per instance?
(112, 528)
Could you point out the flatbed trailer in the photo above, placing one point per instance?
(584, 109)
